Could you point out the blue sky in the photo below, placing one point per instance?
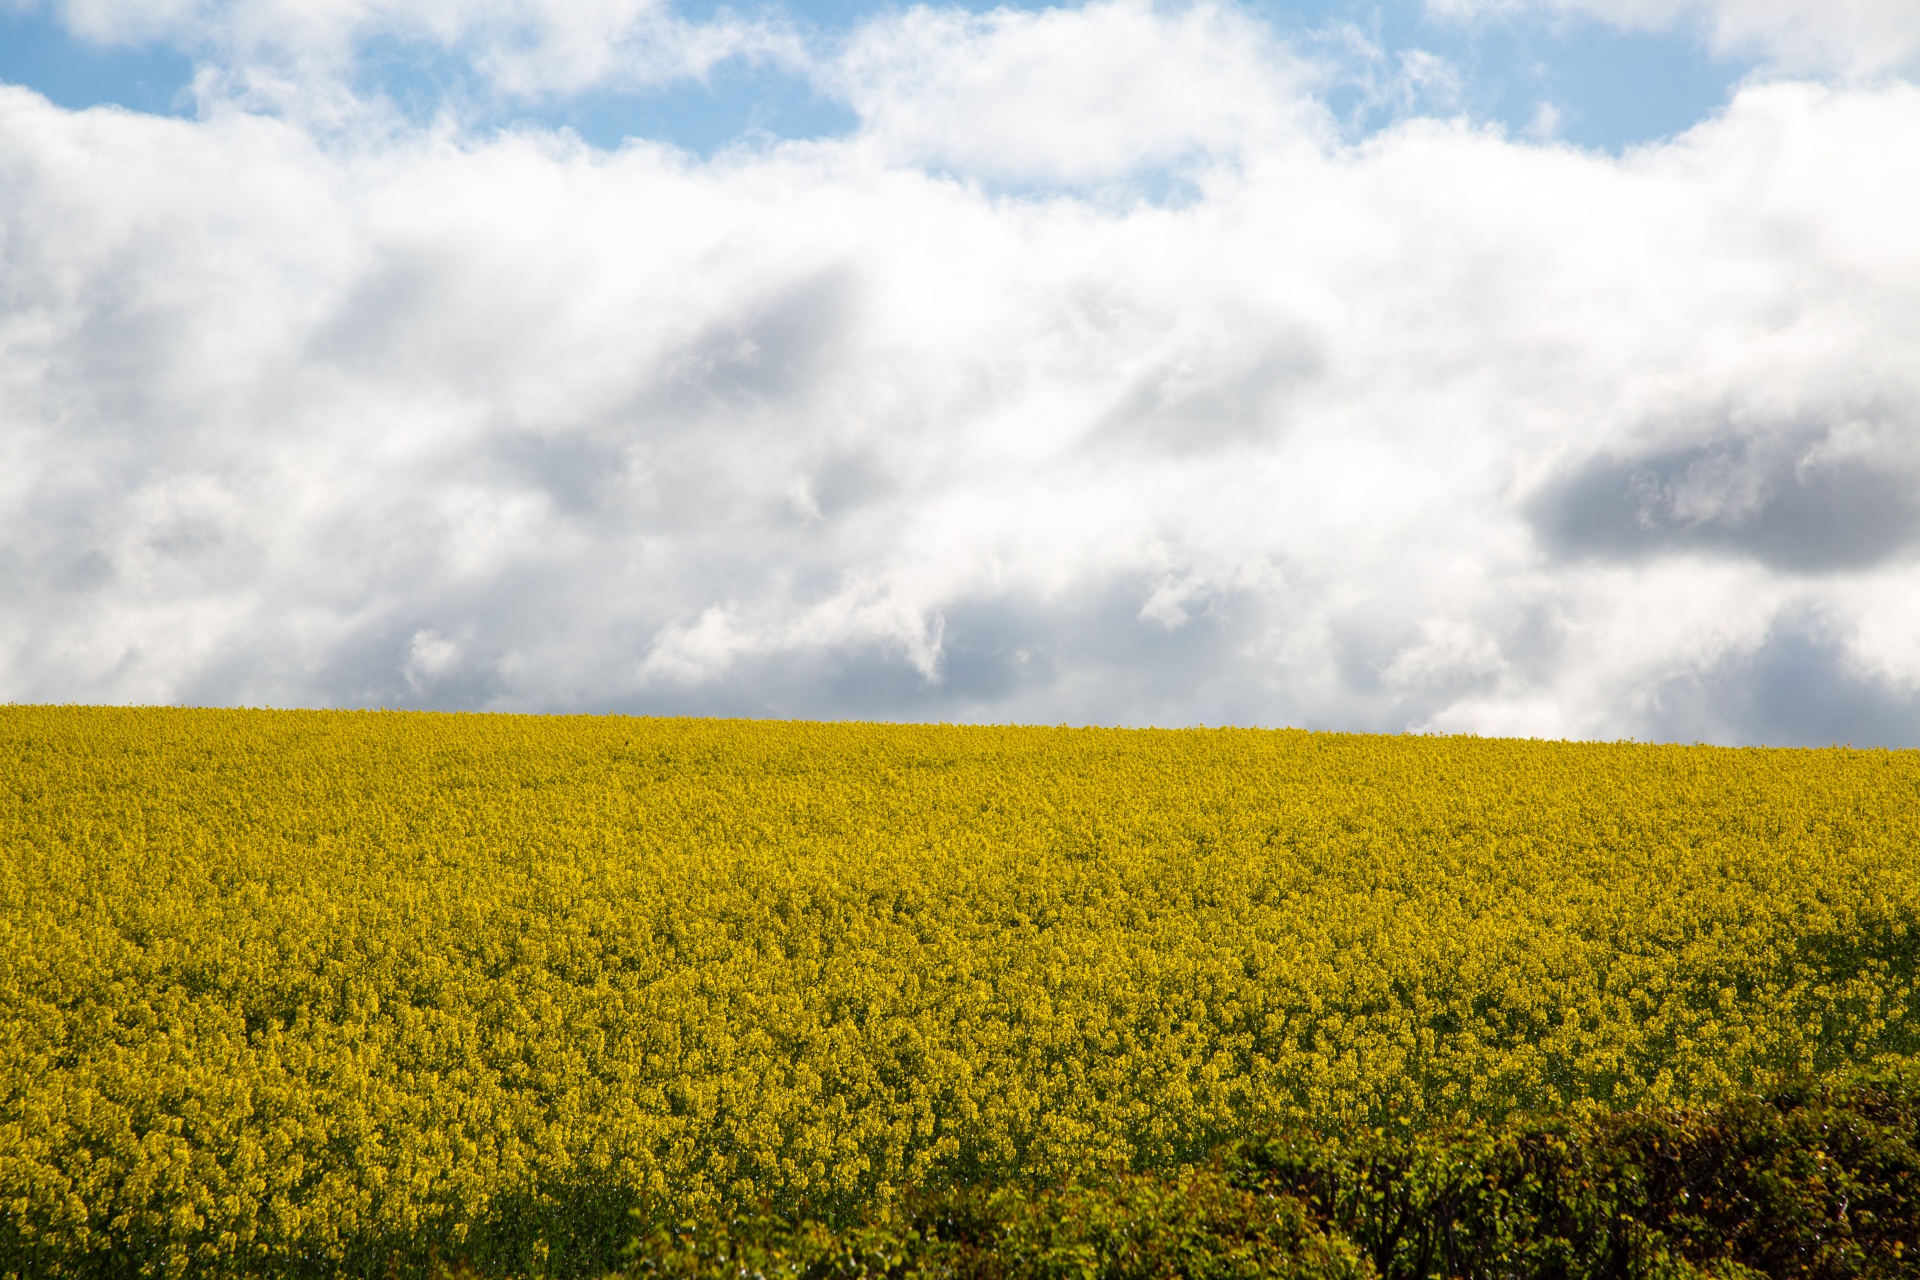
(1606, 87)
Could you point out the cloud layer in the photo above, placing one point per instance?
(1853, 38)
(1095, 377)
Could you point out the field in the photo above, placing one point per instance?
(315, 992)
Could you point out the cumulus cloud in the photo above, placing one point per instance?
(968, 415)
(1072, 95)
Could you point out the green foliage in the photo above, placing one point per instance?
(1811, 1182)
(1192, 1223)
(307, 993)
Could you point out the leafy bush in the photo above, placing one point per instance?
(1196, 1224)
(1810, 1182)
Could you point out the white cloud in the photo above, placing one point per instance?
(1444, 429)
(430, 656)
(301, 57)
(1851, 37)
(1076, 95)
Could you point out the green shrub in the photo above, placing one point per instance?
(1810, 1182)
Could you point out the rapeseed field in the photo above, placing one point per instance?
(318, 992)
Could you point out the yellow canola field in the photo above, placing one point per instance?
(281, 984)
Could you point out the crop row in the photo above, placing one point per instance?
(288, 992)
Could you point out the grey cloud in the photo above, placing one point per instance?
(392, 317)
(1019, 656)
(117, 362)
(1798, 688)
(581, 475)
(56, 549)
(1212, 396)
(82, 572)
(1076, 653)
(845, 480)
(1787, 504)
(1091, 655)
(1406, 675)
(774, 349)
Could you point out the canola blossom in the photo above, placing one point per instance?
(284, 992)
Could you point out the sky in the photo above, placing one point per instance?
(1542, 368)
